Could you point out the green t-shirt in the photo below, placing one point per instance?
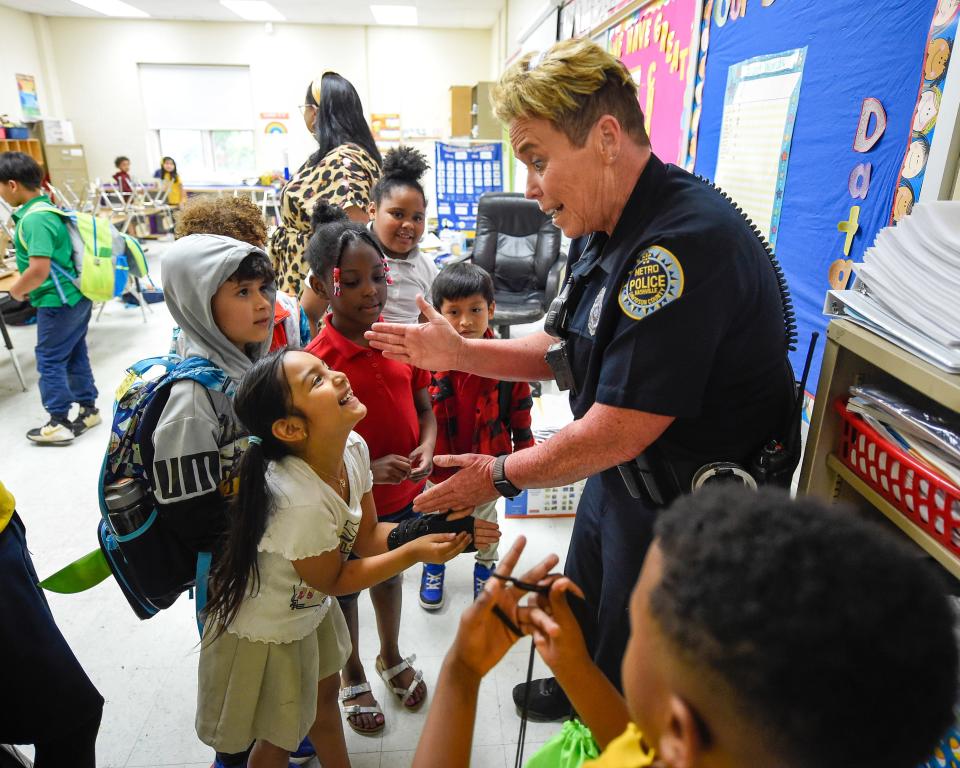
(45, 235)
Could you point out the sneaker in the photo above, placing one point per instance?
(547, 701)
(88, 417)
(481, 575)
(305, 752)
(54, 432)
(431, 587)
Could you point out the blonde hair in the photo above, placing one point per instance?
(236, 217)
(572, 84)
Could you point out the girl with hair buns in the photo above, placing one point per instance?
(342, 172)
(397, 218)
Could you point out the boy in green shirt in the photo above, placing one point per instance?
(63, 313)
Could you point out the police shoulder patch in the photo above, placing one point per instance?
(655, 280)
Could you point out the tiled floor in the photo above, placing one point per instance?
(147, 671)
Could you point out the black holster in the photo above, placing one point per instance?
(655, 480)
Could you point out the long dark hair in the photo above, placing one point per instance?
(340, 118)
(262, 397)
(174, 172)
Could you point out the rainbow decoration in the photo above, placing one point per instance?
(275, 127)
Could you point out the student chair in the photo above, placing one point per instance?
(520, 247)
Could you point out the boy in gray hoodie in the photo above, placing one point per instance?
(221, 294)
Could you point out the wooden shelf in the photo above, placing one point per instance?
(27, 146)
(924, 540)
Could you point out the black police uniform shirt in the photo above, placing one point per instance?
(680, 314)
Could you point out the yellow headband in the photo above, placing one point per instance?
(315, 86)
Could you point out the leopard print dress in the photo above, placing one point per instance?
(344, 177)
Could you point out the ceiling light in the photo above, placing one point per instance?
(113, 8)
(395, 15)
(253, 10)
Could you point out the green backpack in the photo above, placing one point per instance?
(103, 257)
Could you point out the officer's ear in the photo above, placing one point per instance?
(608, 135)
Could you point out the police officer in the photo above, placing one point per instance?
(672, 335)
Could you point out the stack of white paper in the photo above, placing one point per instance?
(913, 271)
(908, 286)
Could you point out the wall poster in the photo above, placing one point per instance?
(759, 111)
(463, 174)
(29, 104)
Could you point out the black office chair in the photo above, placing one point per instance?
(520, 247)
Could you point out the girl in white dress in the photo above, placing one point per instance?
(274, 639)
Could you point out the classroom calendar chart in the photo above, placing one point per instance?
(464, 173)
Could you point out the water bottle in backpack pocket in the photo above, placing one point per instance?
(152, 567)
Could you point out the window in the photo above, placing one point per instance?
(208, 156)
(210, 139)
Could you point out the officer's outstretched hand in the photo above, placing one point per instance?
(433, 345)
(471, 486)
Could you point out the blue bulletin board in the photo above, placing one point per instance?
(861, 77)
(463, 174)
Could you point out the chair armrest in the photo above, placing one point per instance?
(552, 287)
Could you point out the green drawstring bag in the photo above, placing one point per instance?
(570, 748)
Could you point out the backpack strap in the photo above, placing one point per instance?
(200, 584)
(39, 208)
(54, 267)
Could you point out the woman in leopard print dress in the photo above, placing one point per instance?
(342, 171)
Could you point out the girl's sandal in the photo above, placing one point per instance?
(403, 693)
(352, 691)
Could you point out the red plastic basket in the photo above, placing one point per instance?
(929, 501)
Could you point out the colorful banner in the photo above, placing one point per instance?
(936, 61)
(654, 43)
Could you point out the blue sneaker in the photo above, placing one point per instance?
(431, 587)
(481, 574)
(305, 752)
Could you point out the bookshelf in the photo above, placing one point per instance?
(854, 355)
(28, 146)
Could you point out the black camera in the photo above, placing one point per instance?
(559, 362)
(557, 319)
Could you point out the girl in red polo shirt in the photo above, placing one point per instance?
(349, 270)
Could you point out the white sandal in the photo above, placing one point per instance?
(352, 691)
(403, 693)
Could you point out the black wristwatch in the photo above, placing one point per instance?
(504, 487)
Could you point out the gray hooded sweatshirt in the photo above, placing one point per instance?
(198, 439)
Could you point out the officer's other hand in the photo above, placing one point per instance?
(390, 469)
(470, 486)
(433, 345)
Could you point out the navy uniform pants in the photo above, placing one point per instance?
(48, 699)
(611, 535)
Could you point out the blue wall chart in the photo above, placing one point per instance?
(463, 174)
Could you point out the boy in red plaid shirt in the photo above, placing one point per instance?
(474, 414)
